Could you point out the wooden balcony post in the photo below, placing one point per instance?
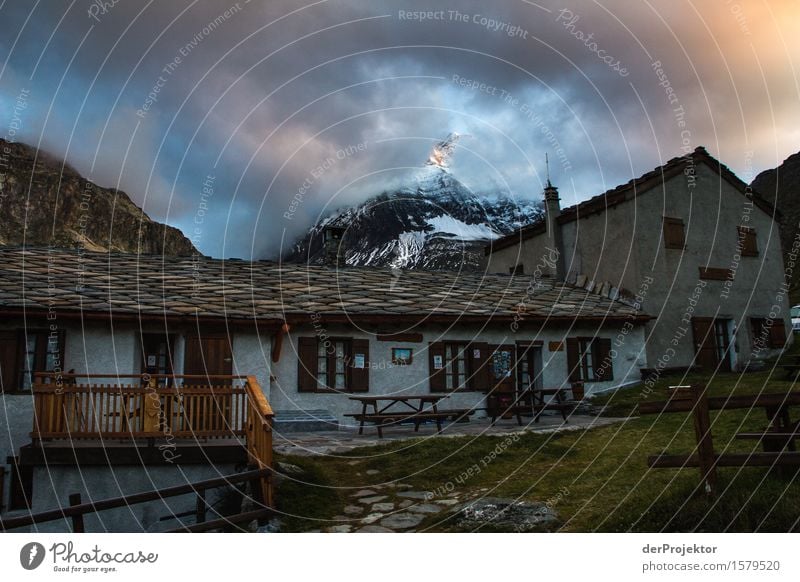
(705, 444)
(77, 520)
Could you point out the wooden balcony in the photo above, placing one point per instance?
(172, 408)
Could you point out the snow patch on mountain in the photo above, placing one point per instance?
(460, 230)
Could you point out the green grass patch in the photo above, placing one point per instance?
(597, 480)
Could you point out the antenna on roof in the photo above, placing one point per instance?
(547, 168)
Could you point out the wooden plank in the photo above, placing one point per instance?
(723, 403)
(755, 459)
(224, 522)
(133, 499)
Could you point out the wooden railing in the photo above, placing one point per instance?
(138, 406)
(155, 406)
(258, 433)
(76, 510)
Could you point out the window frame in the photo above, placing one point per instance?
(449, 371)
(330, 364)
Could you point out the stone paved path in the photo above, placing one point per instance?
(398, 507)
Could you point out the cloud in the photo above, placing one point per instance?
(260, 95)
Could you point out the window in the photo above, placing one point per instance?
(24, 353)
(401, 356)
(674, 235)
(589, 359)
(459, 365)
(455, 365)
(517, 270)
(748, 243)
(333, 364)
(767, 333)
(332, 359)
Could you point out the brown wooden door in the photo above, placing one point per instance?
(501, 368)
(502, 377)
(705, 348)
(208, 356)
(8, 361)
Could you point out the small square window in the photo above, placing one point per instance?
(401, 356)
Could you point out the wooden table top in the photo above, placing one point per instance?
(400, 398)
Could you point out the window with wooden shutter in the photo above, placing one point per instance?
(359, 371)
(589, 359)
(478, 353)
(748, 242)
(674, 235)
(307, 364)
(777, 334)
(436, 366)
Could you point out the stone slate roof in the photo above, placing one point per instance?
(37, 279)
(630, 190)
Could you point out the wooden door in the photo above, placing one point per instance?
(705, 346)
(502, 378)
(529, 367)
(208, 356)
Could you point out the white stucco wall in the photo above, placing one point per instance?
(414, 379)
(53, 486)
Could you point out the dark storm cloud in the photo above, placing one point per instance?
(291, 110)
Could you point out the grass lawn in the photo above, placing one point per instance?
(596, 480)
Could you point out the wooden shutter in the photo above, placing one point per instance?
(478, 366)
(437, 377)
(359, 377)
(603, 364)
(748, 242)
(8, 361)
(307, 364)
(573, 360)
(674, 236)
(777, 334)
(716, 274)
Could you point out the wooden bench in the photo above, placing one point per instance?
(382, 419)
(531, 402)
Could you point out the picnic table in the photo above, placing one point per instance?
(532, 402)
(397, 408)
(778, 438)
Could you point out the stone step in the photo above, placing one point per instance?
(304, 421)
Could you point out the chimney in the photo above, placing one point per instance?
(333, 250)
(552, 207)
